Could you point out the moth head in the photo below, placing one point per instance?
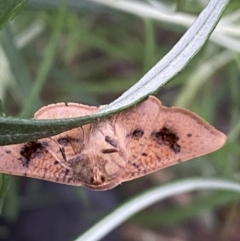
(98, 171)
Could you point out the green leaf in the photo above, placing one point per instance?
(9, 9)
(178, 214)
(48, 60)
(4, 182)
(17, 64)
(144, 200)
(14, 130)
(1, 108)
(172, 63)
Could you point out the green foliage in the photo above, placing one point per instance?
(4, 181)
(160, 74)
(92, 55)
(181, 213)
(9, 9)
(1, 108)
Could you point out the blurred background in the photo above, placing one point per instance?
(91, 53)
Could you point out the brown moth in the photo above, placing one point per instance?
(105, 153)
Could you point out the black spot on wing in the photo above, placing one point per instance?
(30, 151)
(136, 134)
(167, 137)
(134, 164)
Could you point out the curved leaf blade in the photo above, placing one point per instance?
(172, 63)
(144, 200)
(9, 9)
(13, 130)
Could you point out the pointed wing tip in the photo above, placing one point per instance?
(221, 139)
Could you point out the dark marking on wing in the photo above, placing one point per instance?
(167, 137)
(135, 165)
(137, 134)
(176, 147)
(8, 151)
(29, 151)
(189, 135)
(103, 178)
(64, 141)
(62, 150)
(107, 151)
(44, 144)
(144, 154)
(110, 141)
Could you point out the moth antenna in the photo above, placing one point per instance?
(63, 155)
(101, 132)
(83, 133)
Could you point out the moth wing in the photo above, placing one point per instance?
(38, 159)
(135, 125)
(173, 135)
(33, 160)
(64, 110)
(72, 140)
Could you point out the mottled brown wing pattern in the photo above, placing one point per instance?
(41, 159)
(32, 160)
(176, 135)
(137, 124)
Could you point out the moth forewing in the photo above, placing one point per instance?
(176, 135)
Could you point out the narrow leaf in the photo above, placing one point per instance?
(127, 210)
(9, 9)
(19, 130)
